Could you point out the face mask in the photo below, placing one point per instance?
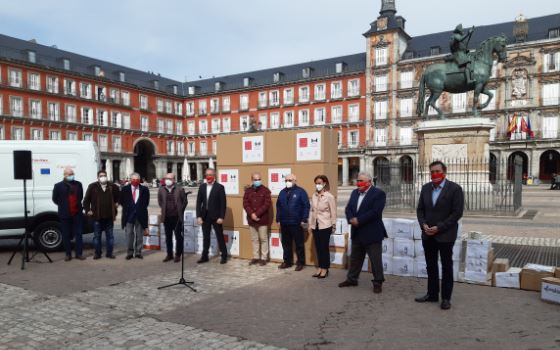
(257, 183)
(168, 182)
(363, 186)
(289, 184)
(210, 178)
(319, 187)
(70, 178)
(437, 178)
(135, 182)
(103, 179)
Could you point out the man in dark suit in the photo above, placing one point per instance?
(439, 209)
(210, 213)
(364, 212)
(135, 200)
(68, 195)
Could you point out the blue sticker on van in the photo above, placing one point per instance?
(45, 171)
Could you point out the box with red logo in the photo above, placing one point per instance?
(275, 247)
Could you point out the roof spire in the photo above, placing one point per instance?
(388, 8)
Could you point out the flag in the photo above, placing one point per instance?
(530, 130)
(512, 125)
(526, 127)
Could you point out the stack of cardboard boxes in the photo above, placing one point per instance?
(153, 240)
(479, 261)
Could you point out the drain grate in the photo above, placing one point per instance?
(530, 214)
(519, 255)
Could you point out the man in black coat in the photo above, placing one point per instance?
(210, 213)
(135, 200)
(440, 208)
(68, 195)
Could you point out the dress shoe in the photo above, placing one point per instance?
(167, 258)
(377, 288)
(81, 257)
(347, 283)
(323, 276)
(254, 261)
(284, 266)
(299, 267)
(128, 257)
(445, 304)
(177, 259)
(426, 298)
(316, 274)
(262, 262)
(223, 261)
(67, 258)
(139, 256)
(202, 260)
(111, 256)
(96, 257)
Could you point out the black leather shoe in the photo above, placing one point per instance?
(223, 261)
(284, 266)
(139, 256)
(445, 304)
(426, 298)
(347, 283)
(128, 257)
(377, 288)
(202, 260)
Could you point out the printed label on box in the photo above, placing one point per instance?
(275, 247)
(308, 146)
(229, 178)
(253, 149)
(276, 179)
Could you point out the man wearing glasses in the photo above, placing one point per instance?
(292, 211)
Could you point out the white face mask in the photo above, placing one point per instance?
(319, 187)
(289, 184)
(103, 179)
(168, 183)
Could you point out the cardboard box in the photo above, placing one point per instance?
(475, 277)
(403, 266)
(478, 249)
(420, 269)
(275, 247)
(154, 219)
(456, 268)
(550, 290)
(366, 266)
(500, 265)
(388, 223)
(387, 265)
(417, 230)
(457, 250)
(387, 246)
(418, 249)
(339, 241)
(557, 274)
(342, 226)
(154, 230)
(338, 259)
(403, 228)
(232, 242)
(152, 242)
(532, 274)
(190, 244)
(403, 247)
(508, 279)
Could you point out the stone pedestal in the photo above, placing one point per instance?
(463, 145)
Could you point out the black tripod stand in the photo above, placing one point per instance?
(182, 280)
(25, 237)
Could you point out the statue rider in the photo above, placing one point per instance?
(460, 51)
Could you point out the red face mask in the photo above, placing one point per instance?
(210, 178)
(363, 186)
(437, 178)
(135, 182)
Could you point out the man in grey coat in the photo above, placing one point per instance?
(172, 200)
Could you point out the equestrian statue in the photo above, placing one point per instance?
(462, 71)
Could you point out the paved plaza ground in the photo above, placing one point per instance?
(107, 304)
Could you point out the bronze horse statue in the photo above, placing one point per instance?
(440, 77)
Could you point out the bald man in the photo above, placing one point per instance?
(68, 195)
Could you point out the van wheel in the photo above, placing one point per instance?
(48, 237)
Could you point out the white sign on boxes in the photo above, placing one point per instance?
(275, 247)
(277, 179)
(253, 149)
(509, 279)
(308, 146)
(229, 178)
(403, 247)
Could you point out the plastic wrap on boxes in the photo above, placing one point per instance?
(153, 219)
(387, 246)
(403, 247)
(344, 227)
(403, 266)
(417, 230)
(152, 242)
(477, 265)
(388, 223)
(338, 258)
(478, 249)
(509, 279)
(154, 230)
(403, 228)
(418, 249)
(387, 264)
(420, 269)
(338, 241)
(457, 250)
(483, 278)
(189, 244)
(275, 247)
(456, 266)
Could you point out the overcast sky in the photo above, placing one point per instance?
(185, 39)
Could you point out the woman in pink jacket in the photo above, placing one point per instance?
(322, 222)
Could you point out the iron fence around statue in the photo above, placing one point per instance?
(490, 186)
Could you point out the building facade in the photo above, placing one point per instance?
(150, 124)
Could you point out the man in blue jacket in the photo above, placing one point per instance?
(364, 212)
(135, 199)
(292, 211)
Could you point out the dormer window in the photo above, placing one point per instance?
(96, 71)
(306, 72)
(175, 89)
(435, 50)
(155, 84)
(218, 86)
(554, 33)
(122, 77)
(31, 56)
(339, 67)
(66, 64)
(246, 82)
(408, 55)
(191, 90)
(277, 76)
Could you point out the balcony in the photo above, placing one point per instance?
(408, 84)
(380, 87)
(538, 135)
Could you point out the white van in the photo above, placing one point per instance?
(49, 160)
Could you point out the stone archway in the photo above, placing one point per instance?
(549, 163)
(144, 152)
(511, 165)
(406, 169)
(382, 170)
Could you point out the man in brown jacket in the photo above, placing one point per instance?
(257, 202)
(100, 203)
(172, 200)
